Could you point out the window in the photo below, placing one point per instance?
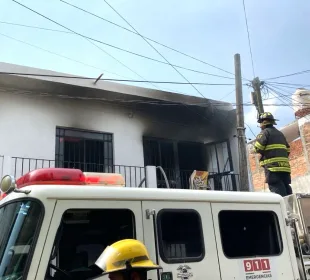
(180, 236)
(19, 227)
(84, 234)
(85, 150)
(250, 233)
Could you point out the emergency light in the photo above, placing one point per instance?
(61, 176)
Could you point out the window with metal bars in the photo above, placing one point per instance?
(180, 236)
(86, 150)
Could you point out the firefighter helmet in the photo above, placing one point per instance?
(125, 255)
(266, 118)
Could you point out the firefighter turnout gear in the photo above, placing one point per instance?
(127, 254)
(271, 144)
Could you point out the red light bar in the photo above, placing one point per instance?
(104, 179)
(67, 176)
(52, 176)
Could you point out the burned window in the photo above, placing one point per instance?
(180, 236)
(85, 233)
(86, 150)
(250, 233)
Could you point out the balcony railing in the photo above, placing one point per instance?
(133, 175)
(225, 181)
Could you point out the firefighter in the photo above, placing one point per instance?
(127, 259)
(271, 144)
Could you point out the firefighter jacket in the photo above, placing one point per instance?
(274, 150)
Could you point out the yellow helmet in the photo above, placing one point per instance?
(125, 254)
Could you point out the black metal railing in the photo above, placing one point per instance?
(225, 181)
(133, 175)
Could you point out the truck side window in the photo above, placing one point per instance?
(250, 233)
(180, 236)
(85, 233)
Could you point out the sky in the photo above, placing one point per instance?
(212, 31)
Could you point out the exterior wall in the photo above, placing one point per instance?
(299, 159)
(28, 127)
(297, 162)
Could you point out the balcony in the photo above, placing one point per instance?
(133, 175)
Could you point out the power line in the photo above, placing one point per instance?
(114, 80)
(154, 41)
(288, 98)
(153, 48)
(250, 129)
(289, 84)
(249, 40)
(118, 48)
(60, 55)
(289, 75)
(118, 61)
(35, 27)
(226, 95)
(279, 96)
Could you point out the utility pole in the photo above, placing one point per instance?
(257, 96)
(243, 167)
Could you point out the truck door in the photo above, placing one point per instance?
(186, 244)
(251, 241)
(80, 230)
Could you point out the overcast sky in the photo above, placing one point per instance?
(212, 31)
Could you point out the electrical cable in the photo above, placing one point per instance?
(250, 130)
(249, 40)
(278, 96)
(289, 84)
(60, 55)
(131, 31)
(118, 61)
(289, 75)
(226, 95)
(153, 47)
(114, 80)
(288, 98)
(159, 53)
(115, 47)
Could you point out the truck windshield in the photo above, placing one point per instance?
(19, 223)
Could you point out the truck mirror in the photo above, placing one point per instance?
(7, 184)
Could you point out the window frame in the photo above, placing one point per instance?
(159, 232)
(60, 131)
(57, 237)
(278, 231)
(37, 230)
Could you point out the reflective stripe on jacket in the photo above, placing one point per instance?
(272, 145)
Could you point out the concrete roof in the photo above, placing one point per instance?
(86, 88)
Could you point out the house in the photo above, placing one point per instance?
(50, 119)
(297, 135)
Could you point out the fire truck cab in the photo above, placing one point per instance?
(55, 223)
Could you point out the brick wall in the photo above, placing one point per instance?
(297, 161)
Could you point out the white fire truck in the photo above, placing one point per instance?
(55, 223)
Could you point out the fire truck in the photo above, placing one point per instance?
(55, 223)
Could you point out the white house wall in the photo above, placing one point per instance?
(28, 127)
